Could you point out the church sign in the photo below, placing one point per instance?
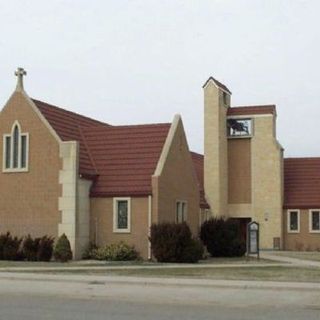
(253, 238)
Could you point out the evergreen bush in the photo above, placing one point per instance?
(62, 250)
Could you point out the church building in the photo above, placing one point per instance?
(62, 172)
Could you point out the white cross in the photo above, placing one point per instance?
(20, 73)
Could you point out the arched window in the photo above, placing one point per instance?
(15, 157)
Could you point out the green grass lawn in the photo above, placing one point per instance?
(269, 273)
(214, 261)
(305, 255)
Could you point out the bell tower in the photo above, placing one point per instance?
(216, 103)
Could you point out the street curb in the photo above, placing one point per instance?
(123, 280)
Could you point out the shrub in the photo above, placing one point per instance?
(172, 242)
(222, 238)
(89, 251)
(45, 249)
(62, 250)
(30, 248)
(193, 252)
(116, 252)
(3, 240)
(11, 247)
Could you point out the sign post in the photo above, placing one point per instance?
(253, 239)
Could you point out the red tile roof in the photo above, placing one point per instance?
(67, 125)
(125, 157)
(198, 161)
(301, 183)
(120, 159)
(251, 110)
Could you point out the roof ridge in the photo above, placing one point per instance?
(218, 84)
(69, 112)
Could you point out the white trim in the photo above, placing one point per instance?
(41, 116)
(115, 215)
(149, 225)
(167, 145)
(310, 220)
(288, 221)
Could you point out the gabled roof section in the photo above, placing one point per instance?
(198, 162)
(218, 84)
(68, 126)
(64, 122)
(125, 157)
(302, 183)
(252, 110)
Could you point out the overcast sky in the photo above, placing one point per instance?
(128, 62)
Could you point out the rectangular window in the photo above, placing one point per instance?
(314, 220)
(7, 152)
(181, 211)
(121, 215)
(23, 151)
(293, 221)
(239, 127)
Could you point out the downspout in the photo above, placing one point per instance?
(149, 225)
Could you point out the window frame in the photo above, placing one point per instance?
(311, 230)
(115, 215)
(19, 168)
(241, 118)
(184, 214)
(289, 220)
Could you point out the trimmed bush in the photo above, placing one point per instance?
(222, 238)
(115, 252)
(173, 242)
(45, 249)
(62, 250)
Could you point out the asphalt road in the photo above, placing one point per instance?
(26, 299)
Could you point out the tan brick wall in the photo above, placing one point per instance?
(215, 150)
(239, 171)
(29, 200)
(266, 180)
(304, 240)
(101, 224)
(177, 182)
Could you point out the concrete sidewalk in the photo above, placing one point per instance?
(134, 267)
(293, 261)
(151, 281)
